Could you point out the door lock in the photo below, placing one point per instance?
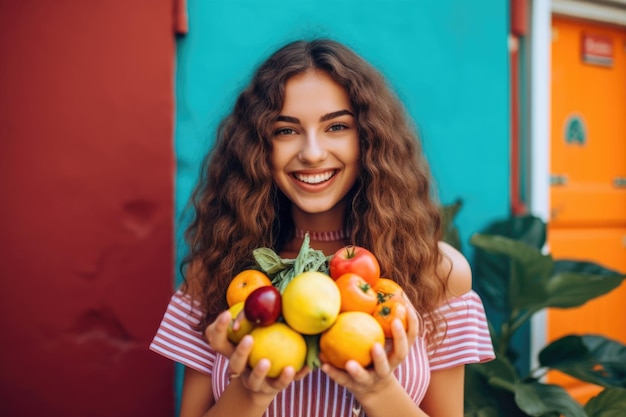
(558, 179)
(619, 182)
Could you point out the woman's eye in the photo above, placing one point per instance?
(337, 126)
(284, 131)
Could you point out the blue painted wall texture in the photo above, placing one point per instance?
(447, 59)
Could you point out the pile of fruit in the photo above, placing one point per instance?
(314, 309)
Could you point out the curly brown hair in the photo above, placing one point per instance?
(238, 208)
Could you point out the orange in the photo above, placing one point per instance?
(243, 284)
(388, 311)
(281, 345)
(388, 289)
(356, 293)
(352, 336)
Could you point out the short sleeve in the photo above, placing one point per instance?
(178, 340)
(466, 338)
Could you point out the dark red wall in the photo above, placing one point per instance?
(86, 206)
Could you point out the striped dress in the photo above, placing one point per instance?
(466, 341)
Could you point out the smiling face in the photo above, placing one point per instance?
(315, 146)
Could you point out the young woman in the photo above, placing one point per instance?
(318, 142)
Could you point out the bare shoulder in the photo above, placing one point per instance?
(455, 266)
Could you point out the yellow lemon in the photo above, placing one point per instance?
(311, 302)
(245, 325)
(279, 343)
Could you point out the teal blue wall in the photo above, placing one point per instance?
(447, 59)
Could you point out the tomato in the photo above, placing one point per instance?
(356, 294)
(388, 289)
(385, 313)
(356, 260)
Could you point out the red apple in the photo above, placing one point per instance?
(263, 306)
(356, 260)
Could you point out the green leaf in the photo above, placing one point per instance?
(300, 263)
(609, 403)
(492, 270)
(310, 259)
(538, 399)
(479, 395)
(499, 369)
(533, 283)
(281, 271)
(483, 398)
(571, 289)
(530, 269)
(270, 262)
(583, 267)
(591, 358)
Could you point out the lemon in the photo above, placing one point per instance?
(311, 302)
(279, 343)
(245, 326)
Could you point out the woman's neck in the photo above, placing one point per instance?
(320, 224)
(292, 248)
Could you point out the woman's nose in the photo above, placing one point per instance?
(313, 149)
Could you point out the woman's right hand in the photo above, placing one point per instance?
(254, 380)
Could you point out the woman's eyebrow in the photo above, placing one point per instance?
(288, 119)
(328, 116)
(334, 114)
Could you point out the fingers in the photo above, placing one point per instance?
(239, 359)
(413, 325)
(216, 334)
(400, 346)
(258, 381)
(380, 360)
(258, 375)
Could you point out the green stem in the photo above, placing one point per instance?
(537, 373)
(502, 384)
(520, 320)
(312, 351)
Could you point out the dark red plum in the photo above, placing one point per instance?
(263, 306)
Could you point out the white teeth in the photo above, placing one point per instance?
(314, 179)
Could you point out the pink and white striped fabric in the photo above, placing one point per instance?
(466, 341)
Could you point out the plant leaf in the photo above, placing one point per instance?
(571, 289)
(530, 269)
(591, 358)
(492, 270)
(538, 399)
(536, 281)
(526, 228)
(269, 261)
(500, 368)
(609, 403)
(584, 267)
(485, 400)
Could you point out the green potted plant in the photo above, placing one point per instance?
(517, 280)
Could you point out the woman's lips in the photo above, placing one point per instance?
(316, 178)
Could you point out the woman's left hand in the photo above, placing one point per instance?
(359, 380)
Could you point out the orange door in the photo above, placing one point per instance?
(588, 173)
